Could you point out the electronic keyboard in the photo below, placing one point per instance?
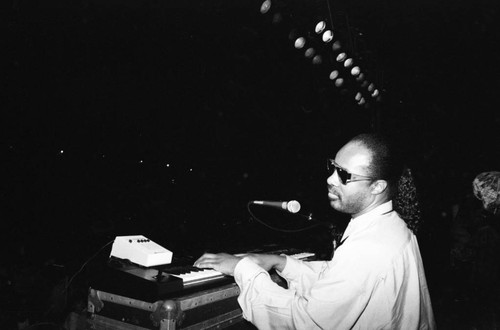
(193, 275)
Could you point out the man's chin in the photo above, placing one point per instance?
(335, 203)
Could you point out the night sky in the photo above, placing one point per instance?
(165, 119)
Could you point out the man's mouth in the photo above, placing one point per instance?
(333, 195)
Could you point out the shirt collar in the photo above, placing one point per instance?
(367, 219)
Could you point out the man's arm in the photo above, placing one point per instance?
(268, 261)
(225, 263)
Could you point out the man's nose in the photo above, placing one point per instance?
(333, 180)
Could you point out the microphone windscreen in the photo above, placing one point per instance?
(293, 206)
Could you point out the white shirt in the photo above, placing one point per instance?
(375, 280)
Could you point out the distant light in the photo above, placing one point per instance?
(61, 151)
(266, 5)
(339, 82)
(317, 59)
(277, 18)
(310, 52)
(141, 161)
(336, 46)
(341, 57)
(348, 62)
(320, 27)
(190, 170)
(327, 36)
(355, 71)
(334, 74)
(299, 42)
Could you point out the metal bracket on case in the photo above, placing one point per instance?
(95, 304)
(168, 311)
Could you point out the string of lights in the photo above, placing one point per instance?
(320, 43)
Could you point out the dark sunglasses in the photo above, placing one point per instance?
(344, 176)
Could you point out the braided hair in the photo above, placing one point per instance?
(386, 164)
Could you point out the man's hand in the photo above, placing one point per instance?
(221, 262)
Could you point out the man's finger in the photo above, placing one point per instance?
(203, 258)
(204, 262)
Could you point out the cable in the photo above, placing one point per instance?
(330, 12)
(85, 264)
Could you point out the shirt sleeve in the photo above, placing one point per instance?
(333, 302)
(301, 275)
(262, 301)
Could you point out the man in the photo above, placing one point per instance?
(375, 279)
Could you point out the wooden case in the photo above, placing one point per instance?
(214, 308)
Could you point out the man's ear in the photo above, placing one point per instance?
(379, 186)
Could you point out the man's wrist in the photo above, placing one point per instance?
(280, 263)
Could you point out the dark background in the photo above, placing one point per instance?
(165, 119)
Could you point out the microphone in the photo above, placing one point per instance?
(291, 206)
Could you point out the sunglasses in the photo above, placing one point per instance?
(344, 176)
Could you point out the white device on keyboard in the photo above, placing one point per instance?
(140, 250)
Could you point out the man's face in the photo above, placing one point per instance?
(352, 197)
